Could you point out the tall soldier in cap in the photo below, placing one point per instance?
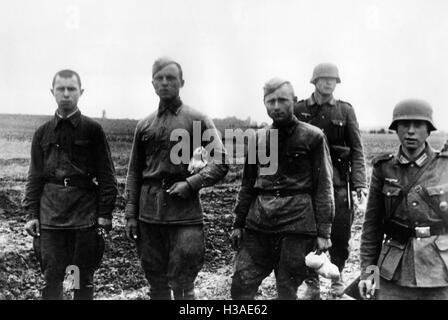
(68, 153)
(163, 210)
(405, 231)
(337, 120)
(282, 216)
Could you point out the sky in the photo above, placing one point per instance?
(386, 51)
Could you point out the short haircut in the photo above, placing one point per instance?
(66, 74)
(162, 62)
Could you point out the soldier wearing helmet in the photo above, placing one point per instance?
(338, 121)
(405, 231)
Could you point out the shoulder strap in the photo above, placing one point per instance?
(409, 186)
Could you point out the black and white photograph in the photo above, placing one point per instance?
(224, 150)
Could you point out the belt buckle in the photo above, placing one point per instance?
(422, 232)
(66, 180)
(418, 188)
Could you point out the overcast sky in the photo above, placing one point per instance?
(385, 51)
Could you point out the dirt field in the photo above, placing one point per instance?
(120, 276)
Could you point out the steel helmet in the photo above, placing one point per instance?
(412, 109)
(325, 70)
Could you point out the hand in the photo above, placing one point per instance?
(105, 223)
(361, 193)
(180, 189)
(322, 244)
(236, 237)
(131, 229)
(33, 228)
(366, 289)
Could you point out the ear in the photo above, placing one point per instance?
(294, 99)
(81, 92)
(153, 85)
(182, 82)
(52, 91)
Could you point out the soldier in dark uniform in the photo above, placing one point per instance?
(282, 216)
(405, 231)
(163, 211)
(68, 154)
(337, 120)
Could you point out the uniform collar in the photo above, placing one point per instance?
(72, 118)
(174, 105)
(311, 101)
(289, 127)
(426, 154)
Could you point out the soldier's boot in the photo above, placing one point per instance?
(85, 293)
(52, 292)
(337, 286)
(312, 291)
(184, 293)
(160, 293)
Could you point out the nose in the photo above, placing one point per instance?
(276, 105)
(66, 92)
(164, 81)
(411, 128)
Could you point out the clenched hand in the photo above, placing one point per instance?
(33, 228)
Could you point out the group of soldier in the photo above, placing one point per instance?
(305, 205)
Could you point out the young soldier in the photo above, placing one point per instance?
(408, 205)
(163, 211)
(281, 217)
(67, 154)
(337, 120)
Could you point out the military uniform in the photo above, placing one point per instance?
(406, 236)
(171, 237)
(67, 156)
(284, 212)
(337, 120)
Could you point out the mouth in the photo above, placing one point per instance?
(410, 140)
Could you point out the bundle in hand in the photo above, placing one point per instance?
(198, 161)
(322, 265)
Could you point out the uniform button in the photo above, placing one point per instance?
(442, 192)
(340, 123)
(412, 165)
(416, 223)
(388, 193)
(415, 203)
(323, 117)
(443, 206)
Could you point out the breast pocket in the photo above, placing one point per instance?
(82, 151)
(297, 160)
(337, 132)
(439, 197)
(147, 141)
(391, 194)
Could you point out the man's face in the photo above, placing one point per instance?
(326, 86)
(412, 134)
(280, 104)
(167, 82)
(66, 91)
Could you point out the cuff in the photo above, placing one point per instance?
(239, 222)
(131, 211)
(195, 182)
(324, 230)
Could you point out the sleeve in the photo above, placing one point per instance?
(372, 228)
(35, 181)
(134, 177)
(105, 175)
(217, 166)
(358, 174)
(246, 194)
(323, 197)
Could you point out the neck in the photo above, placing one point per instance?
(322, 98)
(169, 100)
(65, 113)
(284, 123)
(413, 154)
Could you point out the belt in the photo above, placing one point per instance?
(401, 232)
(280, 192)
(164, 183)
(73, 181)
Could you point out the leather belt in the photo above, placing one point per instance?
(164, 183)
(402, 233)
(73, 181)
(279, 193)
